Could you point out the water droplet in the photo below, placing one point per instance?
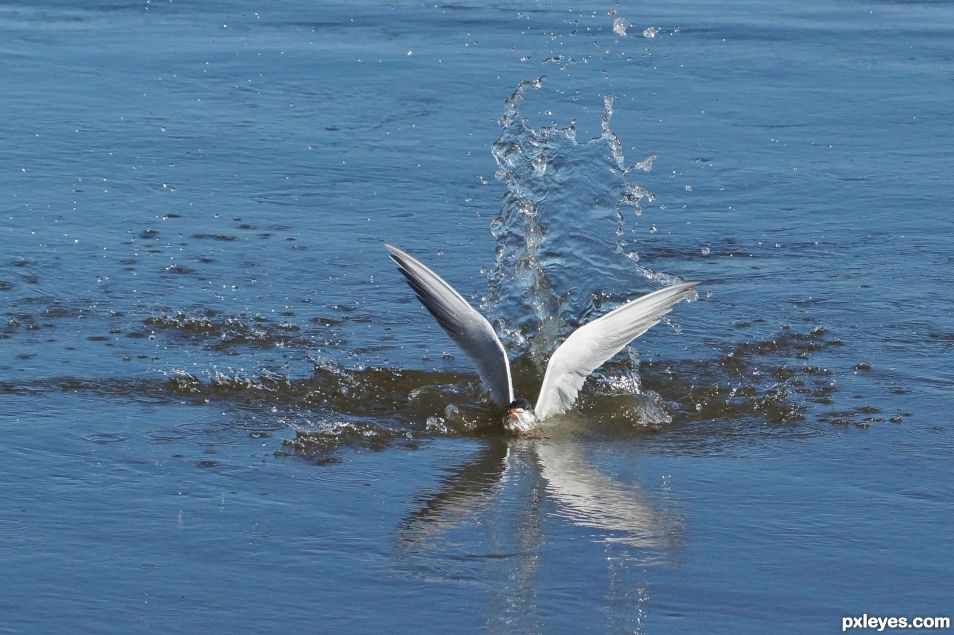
(705, 251)
(619, 26)
(651, 32)
(540, 165)
(646, 164)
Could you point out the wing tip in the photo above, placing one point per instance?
(677, 292)
(689, 285)
(394, 252)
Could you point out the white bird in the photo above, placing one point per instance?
(585, 350)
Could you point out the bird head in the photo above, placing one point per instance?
(519, 416)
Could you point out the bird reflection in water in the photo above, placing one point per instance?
(514, 499)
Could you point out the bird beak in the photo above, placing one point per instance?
(513, 412)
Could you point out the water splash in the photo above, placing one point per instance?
(563, 246)
(756, 387)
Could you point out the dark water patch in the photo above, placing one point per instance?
(861, 417)
(105, 438)
(222, 332)
(179, 270)
(58, 309)
(724, 437)
(183, 322)
(727, 249)
(47, 312)
(6, 286)
(319, 446)
(788, 342)
(372, 408)
(947, 338)
(21, 321)
(148, 234)
(46, 386)
(753, 248)
(16, 388)
(771, 381)
(195, 434)
(219, 237)
(137, 390)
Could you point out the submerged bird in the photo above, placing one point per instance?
(585, 350)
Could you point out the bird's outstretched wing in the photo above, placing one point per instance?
(593, 344)
(469, 329)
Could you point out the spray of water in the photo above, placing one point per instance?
(563, 245)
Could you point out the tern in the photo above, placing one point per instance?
(585, 350)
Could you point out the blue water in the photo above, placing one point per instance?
(223, 410)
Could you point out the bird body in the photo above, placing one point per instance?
(585, 350)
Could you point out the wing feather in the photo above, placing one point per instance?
(591, 345)
(469, 329)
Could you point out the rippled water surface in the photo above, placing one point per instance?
(223, 410)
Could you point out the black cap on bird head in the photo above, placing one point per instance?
(520, 403)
